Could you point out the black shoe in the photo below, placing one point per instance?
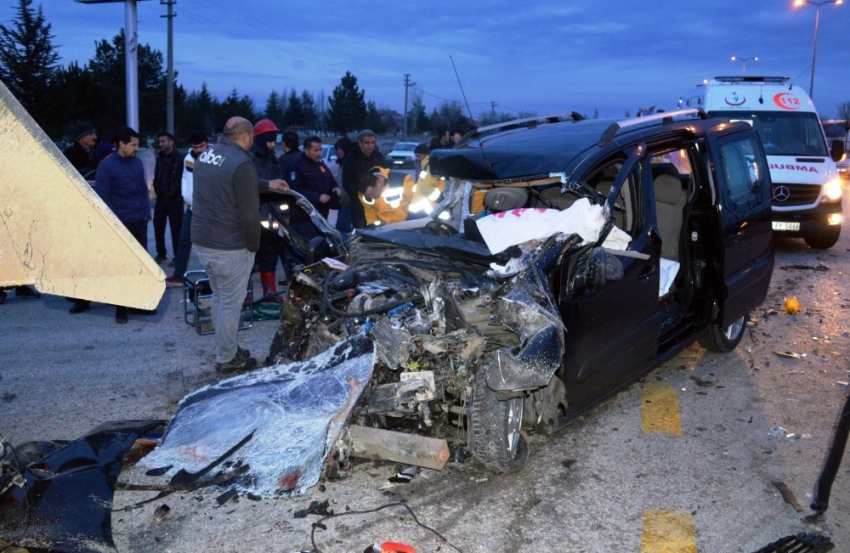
(237, 364)
(134, 311)
(161, 258)
(242, 353)
(79, 306)
(26, 292)
(121, 315)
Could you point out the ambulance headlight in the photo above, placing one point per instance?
(832, 191)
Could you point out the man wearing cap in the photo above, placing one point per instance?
(81, 152)
(167, 179)
(359, 163)
(314, 181)
(376, 209)
(226, 232)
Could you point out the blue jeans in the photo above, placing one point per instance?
(184, 245)
(228, 271)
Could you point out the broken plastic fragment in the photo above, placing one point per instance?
(789, 354)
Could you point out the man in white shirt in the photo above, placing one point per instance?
(199, 143)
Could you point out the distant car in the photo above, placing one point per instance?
(402, 156)
(330, 158)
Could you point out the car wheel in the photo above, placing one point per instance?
(494, 429)
(724, 340)
(823, 241)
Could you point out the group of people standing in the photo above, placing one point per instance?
(216, 197)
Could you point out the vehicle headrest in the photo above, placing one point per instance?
(665, 169)
(668, 189)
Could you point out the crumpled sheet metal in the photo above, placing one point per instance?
(297, 412)
(57, 496)
(532, 363)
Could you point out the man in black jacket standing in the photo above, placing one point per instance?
(81, 152)
(314, 181)
(167, 179)
(363, 158)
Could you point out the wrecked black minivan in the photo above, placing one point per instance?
(607, 248)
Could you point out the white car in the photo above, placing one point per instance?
(402, 156)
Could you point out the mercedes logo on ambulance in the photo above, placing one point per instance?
(781, 193)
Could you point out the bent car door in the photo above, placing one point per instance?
(612, 332)
(741, 174)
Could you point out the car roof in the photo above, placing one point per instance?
(519, 150)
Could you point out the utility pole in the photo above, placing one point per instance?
(407, 84)
(493, 111)
(169, 75)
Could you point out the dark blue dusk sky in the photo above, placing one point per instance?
(546, 57)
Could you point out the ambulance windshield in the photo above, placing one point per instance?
(783, 134)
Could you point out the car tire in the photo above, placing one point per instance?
(823, 241)
(724, 340)
(494, 429)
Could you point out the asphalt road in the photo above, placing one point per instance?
(617, 479)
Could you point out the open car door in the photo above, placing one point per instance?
(612, 327)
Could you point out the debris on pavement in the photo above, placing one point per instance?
(793, 305)
(229, 495)
(777, 432)
(58, 495)
(294, 412)
(161, 512)
(315, 508)
(787, 494)
(404, 476)
(789, 354)
(801, 543)
(799, 267)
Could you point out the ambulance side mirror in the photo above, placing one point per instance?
(838, 150)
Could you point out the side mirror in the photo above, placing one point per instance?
(597, 268)
(837, 152)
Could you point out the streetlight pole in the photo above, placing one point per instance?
(169, 85)
(801, 3)
(744, 60)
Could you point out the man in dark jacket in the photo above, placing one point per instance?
(226, 232)
(167, 178)
(289, 143)
(363, 158)
(121, 184)
(314, 181)
(81, 152)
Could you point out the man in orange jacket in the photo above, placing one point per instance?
(377, 208)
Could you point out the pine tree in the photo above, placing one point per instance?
(28, 61)
(294, 114)
(309, 111)
(273, 109)
(347, 107)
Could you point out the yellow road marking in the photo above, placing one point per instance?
(667, 532)
(660, 411)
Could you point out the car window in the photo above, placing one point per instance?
(743, 172)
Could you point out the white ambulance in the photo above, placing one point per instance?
(806, 186)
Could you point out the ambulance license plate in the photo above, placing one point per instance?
(782, 225)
